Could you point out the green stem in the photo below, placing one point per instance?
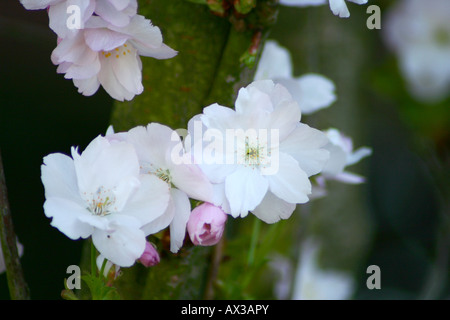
(93, 262)
(18, 288)
(254, 241)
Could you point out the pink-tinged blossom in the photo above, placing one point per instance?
(101, 194)
(206, 224)
(103, 54)
(150, 257)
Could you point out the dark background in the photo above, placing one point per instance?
(41, 113)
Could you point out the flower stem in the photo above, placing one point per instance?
(254, 241)
(93, 264)
(18, 288)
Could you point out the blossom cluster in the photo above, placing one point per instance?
(258, 157)
(100, 43)
(128, 185)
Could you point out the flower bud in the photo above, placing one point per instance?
(150, 257)
(206, 224)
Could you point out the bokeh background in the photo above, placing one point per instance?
(396, 220)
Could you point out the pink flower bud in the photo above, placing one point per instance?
(206, 224)
(150, 257)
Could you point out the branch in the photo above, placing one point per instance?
(18, 288)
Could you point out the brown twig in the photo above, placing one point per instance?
(216, 258)
(18, 288)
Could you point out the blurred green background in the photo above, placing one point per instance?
(396, 220)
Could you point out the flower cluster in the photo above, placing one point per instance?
(125, 186)
(100, 43)
(258, 157)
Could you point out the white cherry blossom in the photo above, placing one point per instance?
(273, 153)
(101, 194)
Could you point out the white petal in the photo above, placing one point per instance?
(359, 1)
(358, 155)
(162, 221)
(147, 39)
(348, 177)
(154, 143)
(66, 215)
(108, 165)
(191, 180)
(339, 8)
(180, 219)
(291, 183)
(312, 92)
(272, 209)
(123, 243)
(337, 161)
(252, 100)
(127, 70)
(245, 189)
(121, 4)
(38, 4)
(87, 87)
(59, 178)
(216, 110)
(112, 85)
(219, 198)
(161, 52)
(150, 200)
(103, 39)
(306, 145)
(285, 119)
(275, 62)
(302, 3)
(107, 11)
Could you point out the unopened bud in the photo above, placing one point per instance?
(150, 257)
(206, 224)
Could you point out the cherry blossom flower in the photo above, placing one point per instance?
(338, 7)
(155, 146)
(418, 32)
(104, 46)
(103, 54)
(206, 224)
(311, 91)
(273, 154)
(101, 194)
